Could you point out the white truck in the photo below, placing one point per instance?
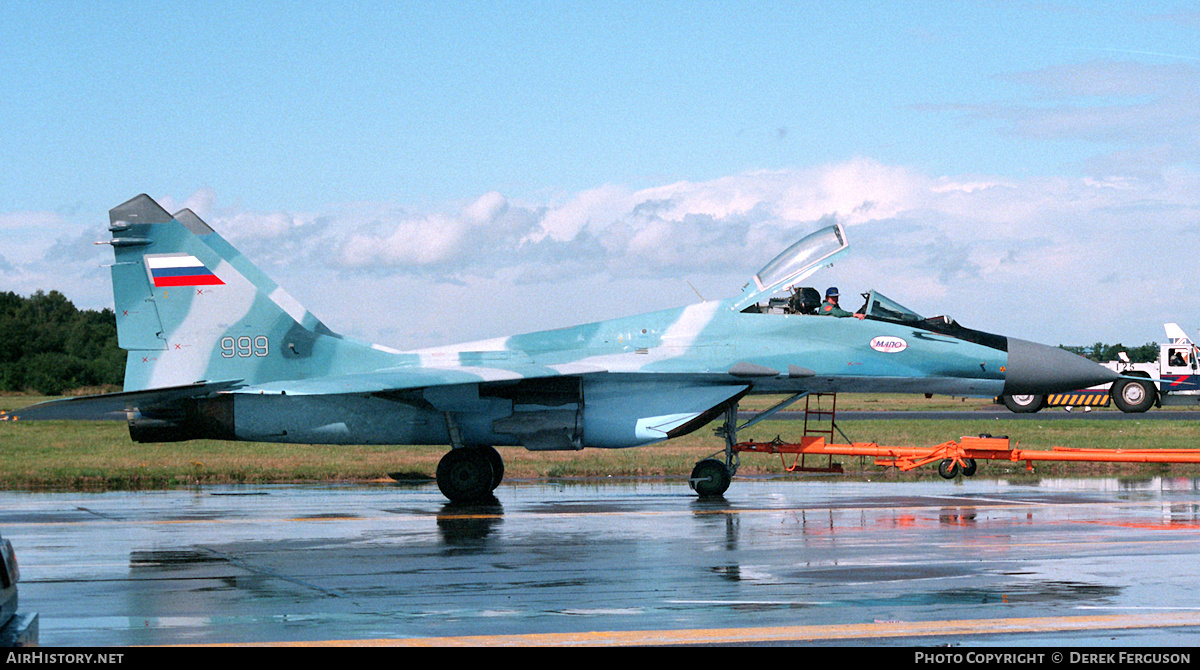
(1174, 379)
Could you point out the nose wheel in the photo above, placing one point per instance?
(710, 478)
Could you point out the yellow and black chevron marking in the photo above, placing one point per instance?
(1079, 399)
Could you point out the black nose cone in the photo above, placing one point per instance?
(1039, 369)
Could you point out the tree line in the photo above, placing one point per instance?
(1101, 352)
(47, 346)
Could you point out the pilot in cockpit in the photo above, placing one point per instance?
(830, 306)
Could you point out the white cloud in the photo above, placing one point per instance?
(43, 251)
(594, 208)
(487, 208)
(409, 242)
(1056, 259)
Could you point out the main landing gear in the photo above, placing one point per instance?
(469, 472)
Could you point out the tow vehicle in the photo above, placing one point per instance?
(1172, 380)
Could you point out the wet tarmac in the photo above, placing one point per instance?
(777, 561)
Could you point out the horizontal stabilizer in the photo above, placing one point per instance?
(111, 406)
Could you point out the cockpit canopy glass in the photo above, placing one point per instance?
(805, 254)
(882, 307)
(885, 309)
(795, 263)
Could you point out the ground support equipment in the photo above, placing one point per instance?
(960, 457)
(711, 476)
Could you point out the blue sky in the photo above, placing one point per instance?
(418, 173)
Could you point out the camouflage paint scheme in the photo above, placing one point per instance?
(217, 349)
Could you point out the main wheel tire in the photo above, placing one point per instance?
(497, 462)
(710, 478)
(1024, 404)
(465, 475)
(1133, 396)
(948, 469)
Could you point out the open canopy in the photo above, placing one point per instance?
(793, 265)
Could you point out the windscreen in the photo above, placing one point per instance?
(882, 307)
(885, 309)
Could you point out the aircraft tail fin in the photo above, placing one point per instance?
(1176, 334)
(190, 308)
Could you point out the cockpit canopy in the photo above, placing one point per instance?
(878, 306)
(802, 259)
(795, 264)
(885, 309)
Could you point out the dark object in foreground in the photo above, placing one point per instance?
(16, 629)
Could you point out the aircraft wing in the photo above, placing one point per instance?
(110, 406)
(403, 378)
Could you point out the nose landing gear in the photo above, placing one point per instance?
(711, 476)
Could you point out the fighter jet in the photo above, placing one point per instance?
(218, 350)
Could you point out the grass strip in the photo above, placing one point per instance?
(100, 456)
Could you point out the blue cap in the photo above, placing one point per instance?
(832, 292)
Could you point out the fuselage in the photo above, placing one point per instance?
(624, 382)
(771, 353)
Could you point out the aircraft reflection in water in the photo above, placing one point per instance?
(218, 350)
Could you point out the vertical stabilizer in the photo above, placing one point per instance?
(138, 325)
(274, 291)
(191, 308)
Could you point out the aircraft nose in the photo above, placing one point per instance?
(1039, 369)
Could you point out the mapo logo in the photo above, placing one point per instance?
(888, 344)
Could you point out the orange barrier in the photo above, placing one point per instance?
(956, 457)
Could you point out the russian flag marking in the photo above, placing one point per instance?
(180, 271)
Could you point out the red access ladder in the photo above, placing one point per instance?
(818, 421)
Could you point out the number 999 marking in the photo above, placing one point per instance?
(244, 347)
